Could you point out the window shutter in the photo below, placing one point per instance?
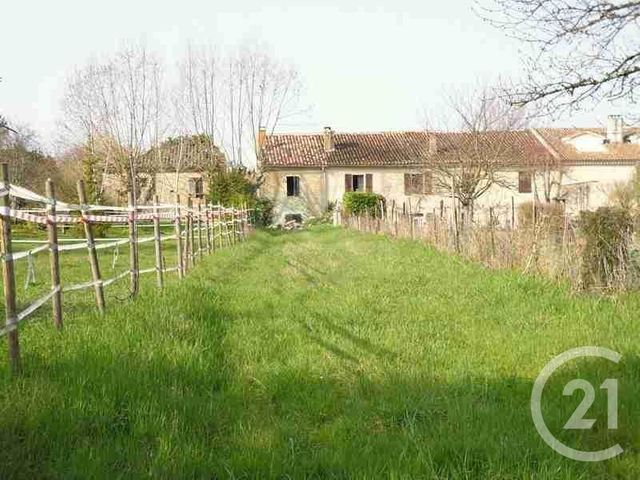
(348, 183)
(427, 183)
(369, 183)
(524, 182)
(407, 183)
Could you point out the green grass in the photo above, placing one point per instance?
(318, 354)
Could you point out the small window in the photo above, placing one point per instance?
(196, 187)
(199, 188)
(418, 183)
(524, 182)
(293, 186)
(358, 183)
(412, 183)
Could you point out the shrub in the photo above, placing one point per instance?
(605, 259)
(263, 212)
(359, 203)
(231, 187)
(100, 230)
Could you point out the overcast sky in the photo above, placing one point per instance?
(368, 65)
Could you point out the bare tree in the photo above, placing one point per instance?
(273, 92)
(548, 174)
(198, 97)
(581, 51)
(260, 91)
(5, 125)
(115, 106)
(28, 165)
(471, 158)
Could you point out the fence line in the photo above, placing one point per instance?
(199, 222)
(545, 246)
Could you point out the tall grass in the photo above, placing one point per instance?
(324, 353)
(552, 246)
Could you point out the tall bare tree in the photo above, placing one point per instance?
(580, 51)
(475, 154)
(115, 105)
(260, 91)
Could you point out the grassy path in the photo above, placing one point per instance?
(318, 354)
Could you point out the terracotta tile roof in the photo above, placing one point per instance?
(351, 149)
(406, 149)
(613, 153)
(520, 147)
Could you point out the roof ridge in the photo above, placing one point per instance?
(543, 141)
(378, 132)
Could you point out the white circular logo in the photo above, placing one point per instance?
(577, 420)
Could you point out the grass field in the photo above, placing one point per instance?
(318, 354)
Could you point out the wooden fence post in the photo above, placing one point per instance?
(133, 246)
(220, 225)
(207, 213)
(241, 221)
(178, 230)
(91, 247)
(199, 231)
(213, 227)
(191, 258)
(158, 242)
(411, 219)
(394, 217)
(54, 260)
(493, 234)
(9, 277)
(234, 232)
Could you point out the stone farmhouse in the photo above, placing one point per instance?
(305, 173)
(178, 166)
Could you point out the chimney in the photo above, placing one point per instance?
(262, 137)
(615, 129)
(433, 145)
(329, 143)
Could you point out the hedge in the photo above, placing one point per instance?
(359, 203)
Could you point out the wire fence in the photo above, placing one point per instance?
(548, 246)
(194, 230)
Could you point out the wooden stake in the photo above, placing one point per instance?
(9, 277)
(413, 234)
(220, 225)
(178, 230)
(199, 231)
(207, 212)
(91, 247)
(394, 217)
(133, 246)
(158, 242)
(233, 226)
(191, 258)
(54, 260)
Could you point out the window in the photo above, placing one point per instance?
(418, 183)
(524, 182)
(196, 187)
(293, 186)
(358, 183)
